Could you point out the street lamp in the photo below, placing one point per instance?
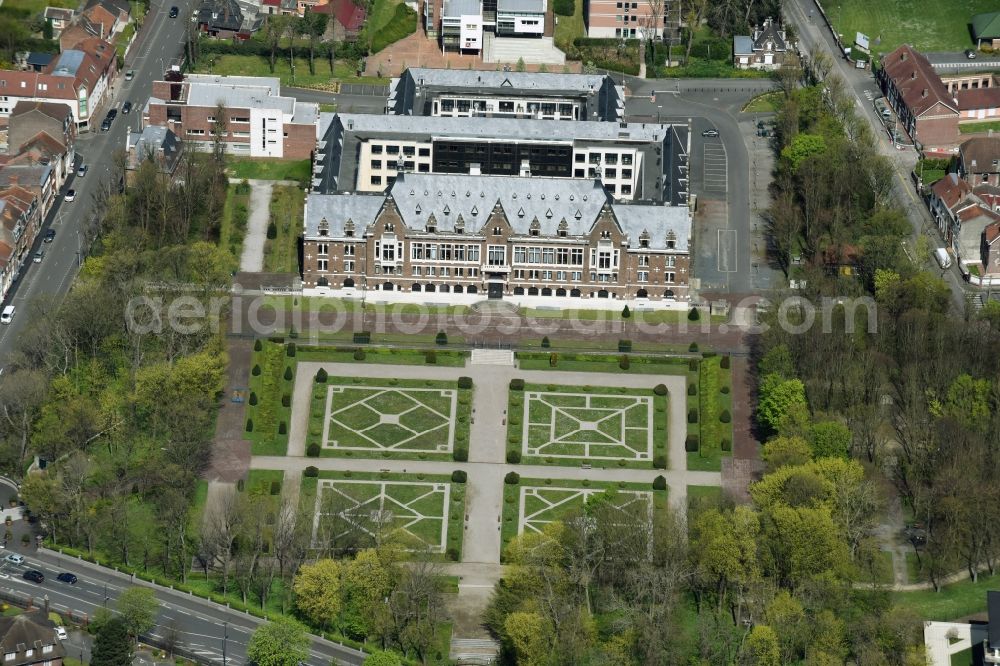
(105, 595)
(225, 639)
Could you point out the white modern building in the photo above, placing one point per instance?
(463, 22)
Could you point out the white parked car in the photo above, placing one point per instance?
(14, 558)
(61, 633)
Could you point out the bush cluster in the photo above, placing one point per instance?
(625, 346)
(517, 384)
(459, 476)
(691, 443)
(512, 478)
(513, 457)
(692, 416)
(659, 483)
(465, 382)
(321, 376)
(460, 454)
(660, 389)
(311, 471)
(313, 450)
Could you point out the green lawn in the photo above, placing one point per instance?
(537, 512)
(952, 602)
(449, 358)
(268, 168)
(766, 103)
(913, 572)
(267, 388)
(963, 658)
(572, 425)
(391, 418)
(235, 214)
(414, 503)
(979, 128)
(198, 505)
(281, 253)
(926, 24)
(253, 65)
(32, 7)
(714, 436)
(569, 28)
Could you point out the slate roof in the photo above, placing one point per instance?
(983, 151)
(742, 45)
(221, 15)
(29, 630)
(986, 26)
(918, 84)
(54, 110)
(550, 201)
(462, 8)
(769, 31)
(978, 98)
(156, 140)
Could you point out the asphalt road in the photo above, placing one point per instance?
(201, 627)
(813, 33)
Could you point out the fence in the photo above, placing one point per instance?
(370, 90)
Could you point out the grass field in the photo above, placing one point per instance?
(569, 28)
(638, 364)
(252, 65)
(455, 359)
(536, 502)
(571, 425)
(281, 254)
(268, 169)
(766, 103)
(926, 24)
(390, 418)
(952, 602)
(235, 214)
(424, 511)
(711, 404)
(979, 128)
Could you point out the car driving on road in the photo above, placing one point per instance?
(174, 12)
(710, 133)
(66, 577)
(34, 576)
(126, 107)
(108, 119)
(14, 558)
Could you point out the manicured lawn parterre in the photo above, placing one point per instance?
(425, 511)
(382, 355)
(926, 24)
(952, 602)
(281, 249)
(546, 500)
(267, 414)
(572, 425)
(712, 403)
(639, 364)
(766, 103)
(389, 418)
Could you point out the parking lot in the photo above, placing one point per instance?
(715, 167)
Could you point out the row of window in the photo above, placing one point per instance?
(391, 149)
(560, 256)
(443, 252)
(643, 276)
(609, 159)
(445, 271)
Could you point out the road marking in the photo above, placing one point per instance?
(727, 259)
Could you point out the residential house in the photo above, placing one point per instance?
(20, 220)
(943, 198)
(625, 19)
(769, 47)
(986, 29)
(110, 22)
(29, 119)
(59, 18)
(979, 161)
(962, 215)
(225, 19)
(270, 7)
(29, 639)
(927, 111)
(261, 122)
(348, 18)
(38, 62)
(978, 104)
(991, 266)
(79, 79)
(35, 177)
(153, 143)
(466, 237)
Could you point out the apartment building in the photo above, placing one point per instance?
(459, 93)
(259, 121)
(78, 78)
(460, 24)
(492, 236)
(635, 161)
(927, 111)
(626, 20)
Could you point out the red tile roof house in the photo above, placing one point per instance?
(59, 18)
(79, 79)
(943, 199)
(44, 129)
(927, 112)
(991, 249)
(979, 161)
(978, 104)
(20, 220)
(349, 17)
(962, 215)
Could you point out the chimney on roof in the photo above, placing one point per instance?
(902, 56)
(923, 93)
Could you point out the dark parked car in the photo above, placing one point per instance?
(66, 577)
(126, 107)
(34, 576)
(50, 236)
(174, 12)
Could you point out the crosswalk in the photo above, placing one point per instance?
(869, 95)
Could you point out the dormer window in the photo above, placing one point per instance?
(431, 229)
(671, 240)
(536, 228)
(644, 239)
(563, 228)
(605, 234)
(497, 231)
(349, 228)
(324, 227)
(389, 226)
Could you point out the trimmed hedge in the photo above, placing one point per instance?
(512, 478)
(724, 362)
(288, 374)
(725, 416)
(659, 483)
(359, 354)
(311, 471)
(692, 389)
(624, 346)
(321, 376)
(362, 337)
(257, 345)
(286, 400)
(441, 338)
(693, 365)
(623, 362)
(691, 444)
(460, 454)
(513, 457)
(313, 450)
(726, 444)
(694, 315)
(290, 350)
(256, 371)
(465, 382)
(517, 384)
(282, 428)
(660, 462)
(545, 342)
(253, 399)
(249, 425)
(692, 416)
(430, 357)
(275, 487)
(660, 389)
(563, 7)
(724, 390)
(459, 476)
(553, 359)
(693, 347)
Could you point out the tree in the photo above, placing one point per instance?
(281, 642)
(382, 658)
(274, 30)
(138, 607)
(782, 451)
(695, 13)
(830, 439)
(762, 647)
(532, 637)
(803, 146)
(21, 395)
(318, 591)
(112, 647)
(315, 25)
(776, 398)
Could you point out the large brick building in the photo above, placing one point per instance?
(259, 121)
(640, 19)
(927, 110)
(491, 236)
